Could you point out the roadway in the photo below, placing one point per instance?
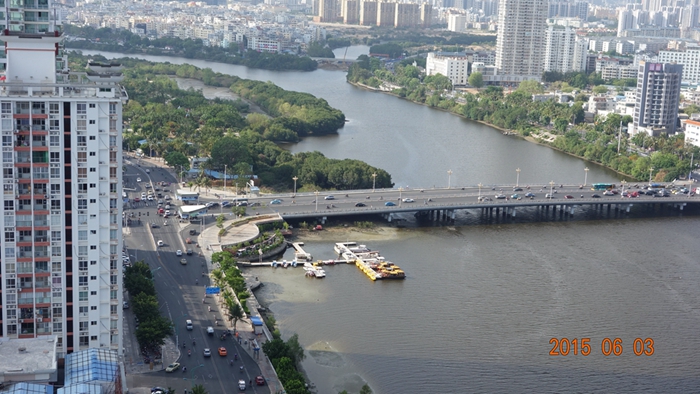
(307, 205)
(180, 289)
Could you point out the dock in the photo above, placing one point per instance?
(369, 262)
(299, 253)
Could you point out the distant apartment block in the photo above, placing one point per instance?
(690, 59)
(692, 132)
(453, 65)
(350, 11)
(328, 10)
(386, 13)
(521, 40)
(658, 96)
(564, 50)
(368, 13)
(456, 22)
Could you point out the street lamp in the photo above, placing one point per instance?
(551, 189)
(316, 193)
(192, 374)
(622, 193)
(650, 171)
(480, 185)
(374, 181)
(449, 178)
(517, 178)
(295, 185)
(585, 177)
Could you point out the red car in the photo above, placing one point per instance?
(568, 197)
(259, 380)
(136, 199)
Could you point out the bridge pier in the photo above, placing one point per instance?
(391, 215)
(513, 212)
(628, 208)
(572, 210)
(323, 219)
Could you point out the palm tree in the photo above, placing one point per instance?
(206, 182)
(235, 312)
(199, 389)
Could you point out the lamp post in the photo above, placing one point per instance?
(480, 185)
(192, 374)
(400, 200)
(316, 193)
(182, 171)
(225, 167)
(622, 193)
(295, 185)
(374, 181)
(517, 178)
(449, 178)
(551, 189)
(585, 177)
(650, 171)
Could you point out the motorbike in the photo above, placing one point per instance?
(189, 353)
(241, 369)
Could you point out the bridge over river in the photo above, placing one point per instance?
(441, 203)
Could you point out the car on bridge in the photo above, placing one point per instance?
(515, 196)
(608, 193)
(500, 196)
(568, 197)
(595, 195)
(549, 195)
(517, 189)
(484, 198)
(276, 201)
(389, 204)
(360, 204)
(329, 197)
(408, 200)
(530, 195)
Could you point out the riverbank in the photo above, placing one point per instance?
(214, 92)
(503, 130)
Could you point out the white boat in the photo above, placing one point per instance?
(294, 263)
(285, 264)
(314, 271)
(274, 264)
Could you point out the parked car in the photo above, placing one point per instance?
(125, 305)
(389, 204)
(137, 199)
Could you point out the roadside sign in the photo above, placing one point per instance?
(213, 290)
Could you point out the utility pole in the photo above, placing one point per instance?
(619, 138)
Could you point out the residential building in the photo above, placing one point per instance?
(386, 13)
(350, 10)
(456, 22)
(690, 59)
(426, 16)
(521, 38)
(453, 65)
(564, 50)
(407, 15)
(62, 175)
(328, 10)
(692, 132)
(658, 96)
(368, 13)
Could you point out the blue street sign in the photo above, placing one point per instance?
(213, 290)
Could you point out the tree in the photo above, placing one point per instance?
(600, 89)
(177, 159)
(295, 348)
(153, 332)
(476, 80)
(366, 389)
(530, 87)
(235, 312)
(199, 389)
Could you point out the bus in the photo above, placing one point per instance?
(603, 186)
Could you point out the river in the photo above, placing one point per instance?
(482, 301)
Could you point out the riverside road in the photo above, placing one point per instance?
(180, 290)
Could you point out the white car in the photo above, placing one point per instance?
(138, 179)
(150, 197)
(241, 384)
(148, 171)
(143, 195)
(167, 212)
(408, 200)
(167, 197)
(161, 243)
(207, 352)
(178, 252)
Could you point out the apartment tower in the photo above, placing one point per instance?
(61, 146)
(521, 40)
(658, 96)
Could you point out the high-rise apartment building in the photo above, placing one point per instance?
(658, 96)
(386, 13)
(328, 10)
(61, 268)
(350, 11)
(521, 39)
(564, 50)
(368, 12)
(453, 65)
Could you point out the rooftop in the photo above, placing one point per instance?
(22, 357)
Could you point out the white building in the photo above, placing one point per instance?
(456, 22)
(61, 142)
(692, 132)
(690, 59)
(453, 65)
(564, 50)
(521, 40)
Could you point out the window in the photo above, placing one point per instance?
(93, 200)
(93, 247)
(82, 203)
(9, 205)
(92, 138)
(82, 280)
(82, 235)
(93, 308)
(92, 105)
(83, 309)
(93, 185)
(58, 327)
(83, 341)
(93, 323)
(55, 235)
(93, 169)
(54, 140)
(82, 250)
(92, 121)
(81, 109)
(9, 236)
(94, 277)
(9, 252)
(83, 296)
(55, 157)
(81, 125)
